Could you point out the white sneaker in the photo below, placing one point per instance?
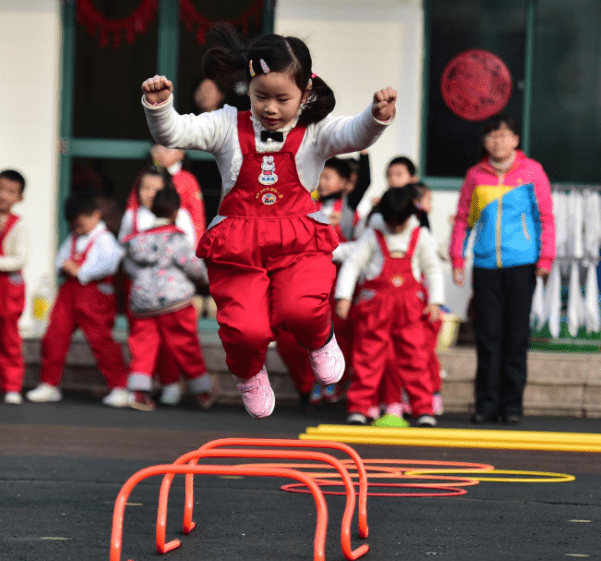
(328, 362)
(44, 393)
(118, 397)
(171, 394)
(13, 398)
(425, 421)
(356, 419)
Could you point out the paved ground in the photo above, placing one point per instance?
(62, 466)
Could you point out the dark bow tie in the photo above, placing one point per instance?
(270, 135)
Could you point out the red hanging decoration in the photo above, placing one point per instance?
(135, 24)
(476, 84)
(193, 19)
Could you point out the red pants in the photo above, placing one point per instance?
(11, 355)
(388, 387)
(12, 304)
(297, 361)
(93, 312)
(253, 302)
(167, 369)
(175, 331)
(296, 358)
(379, 331)
(432, 329)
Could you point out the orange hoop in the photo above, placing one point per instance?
(320, 503)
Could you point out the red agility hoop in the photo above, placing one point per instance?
(441, 490)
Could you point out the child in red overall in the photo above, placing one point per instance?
(268, 251)
(332, 202)
(89, 258)
(387, 316)
(13, 253)
(423, 203)
(162, 263)
(139, 218)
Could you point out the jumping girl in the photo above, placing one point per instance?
(269, 251)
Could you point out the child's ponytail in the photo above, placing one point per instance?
(321, 102)
(226, 58)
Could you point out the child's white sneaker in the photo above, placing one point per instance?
(13, 398)
(425, 421)
(171, 394)
(118, 397)
(328, 362)
(257, 395)
(356, 419)
(44, 393)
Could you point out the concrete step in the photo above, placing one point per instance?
(563, 384)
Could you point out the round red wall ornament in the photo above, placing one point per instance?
(476, 84)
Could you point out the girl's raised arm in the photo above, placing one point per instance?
(341, 135)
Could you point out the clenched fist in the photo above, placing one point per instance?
(157, 89)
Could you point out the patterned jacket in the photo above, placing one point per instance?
(162, 265)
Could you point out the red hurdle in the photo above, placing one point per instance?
(192, 457)
(283, 443)
(320, 503)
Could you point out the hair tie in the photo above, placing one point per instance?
(313, 75)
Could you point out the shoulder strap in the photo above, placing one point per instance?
(8, 226)
(73, 245)
(134, 221)
(382, 243)
(246, 133)
(294, 139)
(92, 242)
(165, 228)
(413, 241)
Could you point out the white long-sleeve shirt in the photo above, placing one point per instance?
(146, 219)
(102, 260)
(364, 257)
(14, 247)
(217, 132)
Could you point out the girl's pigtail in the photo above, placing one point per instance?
(321, 102)
(226, 58)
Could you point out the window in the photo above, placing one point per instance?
(109, 48)
(550, 48)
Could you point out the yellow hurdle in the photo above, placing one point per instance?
(458, 438)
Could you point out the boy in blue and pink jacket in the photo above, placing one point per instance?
(506, 198)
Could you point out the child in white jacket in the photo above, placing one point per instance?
(388, 310)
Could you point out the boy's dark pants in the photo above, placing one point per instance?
(502, 304)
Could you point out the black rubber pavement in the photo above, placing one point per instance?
(62, 466)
